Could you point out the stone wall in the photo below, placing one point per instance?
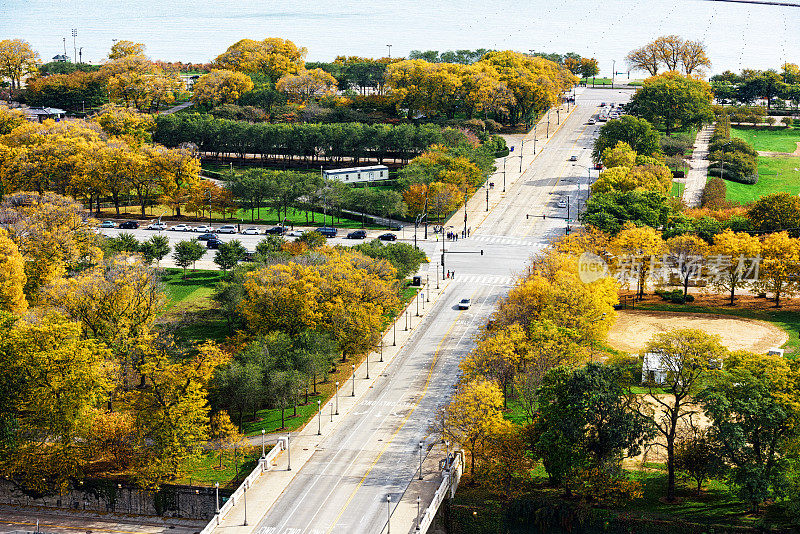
(191, 502)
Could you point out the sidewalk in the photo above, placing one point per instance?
(698, 168)
(302, 444)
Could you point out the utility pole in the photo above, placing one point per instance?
(390, 50)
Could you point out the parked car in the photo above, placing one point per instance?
(277, 230)
(108, 224)
(248, 255)
(155, 225)
(129, 225)
(181, 228)
(357, 234)
(214, 243)
(207, 236)
(387, 237)
(251, 231)
(295, 233)
(227, 229)
(464, 304)
(328, 231)
(203, 228)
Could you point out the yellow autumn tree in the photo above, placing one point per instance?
(10, 119)
(780, 266)
(730, 259)
(637, 249)
(622, 155)
(307, 85)
(474, 414)
(499, 355)
(53, 234)
(17, 59)
(272, 56)
(221, 87)
(12, 276)
(124, 48)
(121, 121)
(137, 81)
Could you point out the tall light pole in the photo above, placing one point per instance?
(262, 443)
(353, 367)
(390, 50)
(367, 360)
(245, 504)
(521, 152)
(74, 44)
(288, 454)
(216, 492)
(319, 417)
(613, 71)
(389, 514)
(337, 397)
(418, 502)
(394, 333)
(420, 460)
(381, 350)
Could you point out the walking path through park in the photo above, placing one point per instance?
(177, 108)
(698, 168)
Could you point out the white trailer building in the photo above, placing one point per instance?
(353, 175)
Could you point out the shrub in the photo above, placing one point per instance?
(714, 194)
(492, 125)
(771, 121)
(476, 125)
(787, 121)
(675, 296)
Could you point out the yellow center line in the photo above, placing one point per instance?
(402, 424)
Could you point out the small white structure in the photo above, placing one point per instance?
(774, 351)
(657, 367)
(352, 175)
(654, 369)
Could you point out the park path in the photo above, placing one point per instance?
(698, 168)
(177, 108)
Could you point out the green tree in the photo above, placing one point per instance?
(687, 357)
(270, 244)
(228, 254)
(156, 248)
(610, 211)
(125, 242)
(587, 418)
(671, 101)
(187, 252)
(637, 133)
(775, 212)
(699, 458)
(313, 239)
(753, 406)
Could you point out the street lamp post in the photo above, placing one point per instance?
(418, 502)
(504, 173)
(288, 454)
(417, 301)
(521, 152)
(353, 367)
(337, 397)
(319, 417)
(216, 493)
(447, 454)
(390, 50)
(394, 333)
(613, 70)
(367, 360)
(245, 504)
(420, 460)
(331, 413)
(381, 350)
(406, 320)
(389, 514)
(428, 287)
(262, 442)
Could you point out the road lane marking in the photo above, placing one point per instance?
(402, 424)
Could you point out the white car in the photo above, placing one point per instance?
(203, 228)
(295, 233)
(464, 304)
(181, 228)
(227, 229)
(562, 203)
(156, 226)
(251, 231)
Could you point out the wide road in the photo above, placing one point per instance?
(372, 452)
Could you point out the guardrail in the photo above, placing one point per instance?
(264, 465)
(447, 489)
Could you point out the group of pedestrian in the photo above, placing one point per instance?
(452, 236)
(451, 274)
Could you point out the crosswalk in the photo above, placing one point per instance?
(485, 279)
(505, 240)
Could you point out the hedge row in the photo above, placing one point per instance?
(311, 142)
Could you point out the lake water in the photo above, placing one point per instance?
(737, 35)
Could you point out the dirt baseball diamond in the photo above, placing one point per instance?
(634, 328)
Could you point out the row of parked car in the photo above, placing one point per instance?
(210, 233)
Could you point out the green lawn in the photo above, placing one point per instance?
(677, 189)
(191, 291)
(205, 470)
(776, 175)
(777, 139)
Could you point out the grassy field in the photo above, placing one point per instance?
(777, 139)
(205, 470)
(191, 291)
(677, 189)
(776, 175)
